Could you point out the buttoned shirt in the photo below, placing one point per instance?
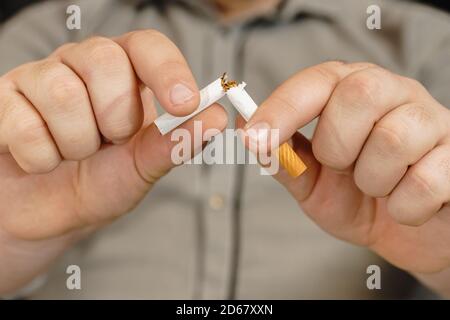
(224, 230)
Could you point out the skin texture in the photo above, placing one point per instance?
(378, 163)
(76, 147)
(78, 150)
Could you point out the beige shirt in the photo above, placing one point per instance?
(225, 231)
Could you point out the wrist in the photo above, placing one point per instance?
(22, 262)
(439, 282)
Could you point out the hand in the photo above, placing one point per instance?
(378, 163)
(59, 179)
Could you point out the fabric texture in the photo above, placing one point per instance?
(254, 242)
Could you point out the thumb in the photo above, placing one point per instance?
(119, 176)
(153, 151)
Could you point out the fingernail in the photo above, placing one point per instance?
(258, 135)
(180, 94)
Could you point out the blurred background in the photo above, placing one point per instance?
(9, 7)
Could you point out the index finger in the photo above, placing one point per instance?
(301, 98)
(160, 65)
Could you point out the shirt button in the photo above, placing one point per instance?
(216, 202)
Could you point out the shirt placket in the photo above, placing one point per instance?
(217, 185)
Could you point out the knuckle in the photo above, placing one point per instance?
(49, 69)
(420, 114)
(333, 157)
(119, 130)
(326, 73)
(62, 92)
(62, 49)
(443, 166)
(148, 34)
(116, 127)
(30, 131)
(104, 53)
(60, 84)
(422, 183)
(135, 38)
(363, 88)
(5, 85)
(155, 39)
(96, 41)
(7, 105)
(421, 196)
(417, 86)
(389, 139)
(329, 147)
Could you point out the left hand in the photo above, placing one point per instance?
(378, 163)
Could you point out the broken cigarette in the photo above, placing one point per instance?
(208, 95)
(246, 106)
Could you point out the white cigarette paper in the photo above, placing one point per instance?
(242, 101)
(246, 106)
(208, 95)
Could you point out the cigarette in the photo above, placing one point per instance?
(246, 106)
(208, 95)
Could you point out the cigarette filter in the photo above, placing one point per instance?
(208, 95)
(246, 106)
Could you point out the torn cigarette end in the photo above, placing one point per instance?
(208, 95)
(227, 84)
(246, 106)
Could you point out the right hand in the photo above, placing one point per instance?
(58, 179)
